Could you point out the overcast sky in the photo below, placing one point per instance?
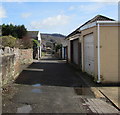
(54, 17)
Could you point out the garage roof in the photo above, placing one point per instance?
(96, 18)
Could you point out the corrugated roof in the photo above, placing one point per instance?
(96, 18)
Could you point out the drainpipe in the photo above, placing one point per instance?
(98, 80)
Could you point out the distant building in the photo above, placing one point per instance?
(37, 36)
(49, 42)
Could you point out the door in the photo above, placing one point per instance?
(65, 52)
(75, 51)
(89, 54)
(80, 55)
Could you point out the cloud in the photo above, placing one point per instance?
(92, 7)
(25, 15)
(2, 12)
(51, 22)
(71, 8)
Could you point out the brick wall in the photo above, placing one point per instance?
(12, 62)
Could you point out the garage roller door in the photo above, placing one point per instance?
(89, 54)
(75, 51)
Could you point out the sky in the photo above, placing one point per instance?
(54, 17)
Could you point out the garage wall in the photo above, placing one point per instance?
(109, 53)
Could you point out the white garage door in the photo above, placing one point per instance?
(75, 51)
(89, 54)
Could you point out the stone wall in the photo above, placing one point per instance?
(7, 68)
(26, 56)
(12, 61)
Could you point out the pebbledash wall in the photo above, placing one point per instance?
(12, 61)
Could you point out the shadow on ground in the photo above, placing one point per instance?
(52, 72)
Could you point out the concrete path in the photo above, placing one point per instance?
(52, 86)
(112, 93)
(108, 90)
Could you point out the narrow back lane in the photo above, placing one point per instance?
(52, 86)
(51, 73)
(49, 87)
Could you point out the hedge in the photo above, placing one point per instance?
(8, 41)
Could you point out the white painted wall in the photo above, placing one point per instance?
(39, 49)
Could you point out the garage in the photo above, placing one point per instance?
(95, 54)
(89, 54)
(75, 51)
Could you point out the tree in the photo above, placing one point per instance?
(14, 30)
(57, 47)
(36, 43)
(5, 30)
(21, 31)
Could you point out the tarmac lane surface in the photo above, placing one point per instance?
(52, 86)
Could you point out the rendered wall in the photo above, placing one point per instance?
(109, 53)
